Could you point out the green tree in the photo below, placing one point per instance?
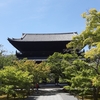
(5, 60)
(90, 37)
(54, 61)
(1, 56)
(8, 59)
(39, 71)
(13, 78)
(59, 62)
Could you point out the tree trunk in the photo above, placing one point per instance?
(95, 93)
(82, 97)
(7, 96)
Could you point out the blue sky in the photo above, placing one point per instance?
(41, 16)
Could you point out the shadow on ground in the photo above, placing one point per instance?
(44, 92)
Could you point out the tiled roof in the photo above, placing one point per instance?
(47, 37)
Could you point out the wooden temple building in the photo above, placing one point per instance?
(39, 46)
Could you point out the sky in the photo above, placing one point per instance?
(41, 16)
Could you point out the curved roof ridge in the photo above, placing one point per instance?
(48, 33)
(46, 37)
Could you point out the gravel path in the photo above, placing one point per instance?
(51, 94)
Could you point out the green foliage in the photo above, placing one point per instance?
(7, 89)
(90, 36)
(88, 73)
(61, 66)
(13, 78)
(20, 75)
(54, 62)
(8, 60)
(38, 71)
(96, 81)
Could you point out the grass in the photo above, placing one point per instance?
(19, 95)
(87, 96)
(4, 97)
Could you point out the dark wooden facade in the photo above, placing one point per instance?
(39, 46)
